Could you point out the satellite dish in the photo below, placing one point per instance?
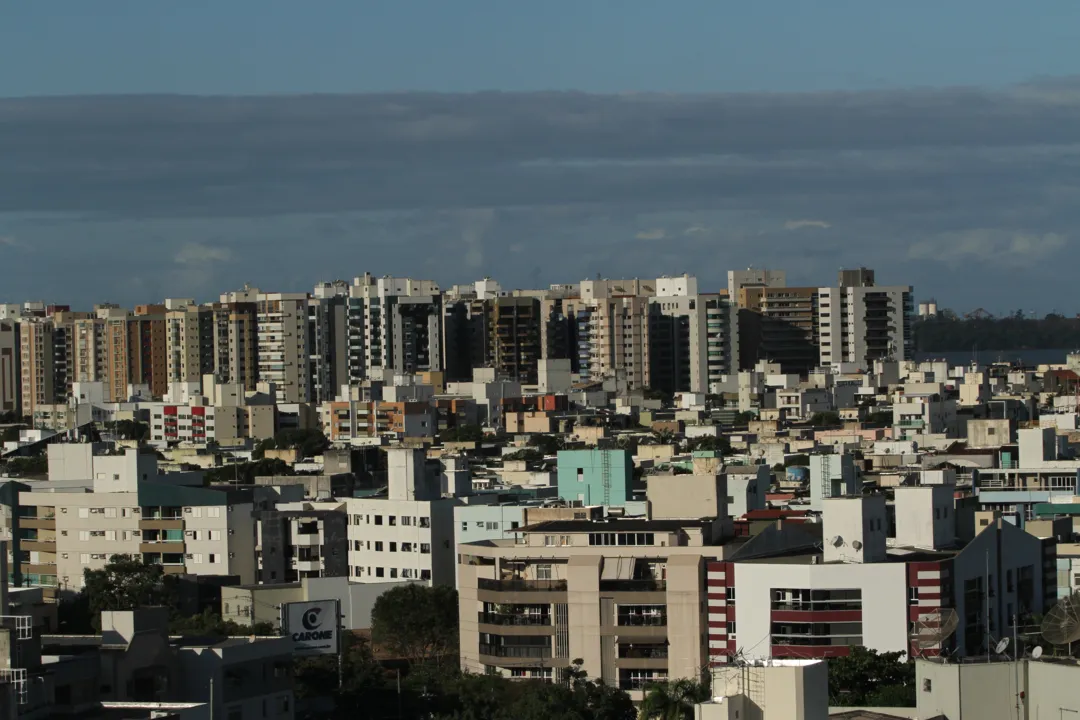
(1061, 625)
(1036, 653)
(934, 628)
(1000, 647)
(856, 544)
(836, 541)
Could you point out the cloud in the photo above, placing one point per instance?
(800, 224)
(308, 187)
(9, 241)
(988, 246)
(197, 254)
(652, 234)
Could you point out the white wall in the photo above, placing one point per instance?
(884, 600)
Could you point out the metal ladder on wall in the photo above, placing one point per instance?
(23, 626)
(754, 687)
(605, 475)
(826, 476)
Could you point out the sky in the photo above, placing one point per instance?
(181, 149)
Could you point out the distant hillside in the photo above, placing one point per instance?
(951, 334)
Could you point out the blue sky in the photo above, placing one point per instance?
(938, 142)
(284, 46)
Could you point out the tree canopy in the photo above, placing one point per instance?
(673, 701)
(308, 442)
(462, 433)
(417, 622)
(867, 678)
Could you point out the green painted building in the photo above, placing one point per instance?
(596, 477)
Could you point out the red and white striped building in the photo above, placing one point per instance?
(860, 589)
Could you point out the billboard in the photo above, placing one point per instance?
(313, 627)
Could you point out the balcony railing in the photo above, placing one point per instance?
(511, 619)
(537, 652)
(643, 652)
(641, 620)
(640, 683)
(647, 585)
(521, 585)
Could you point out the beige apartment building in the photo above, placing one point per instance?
(98, 505)
(38, 373)
(280, 342)
(626, 596)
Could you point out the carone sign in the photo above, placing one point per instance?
(313, 627)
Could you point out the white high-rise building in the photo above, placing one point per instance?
(860, 322)
(393, 323)
(409, 533)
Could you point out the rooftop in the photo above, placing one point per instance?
(615, 524)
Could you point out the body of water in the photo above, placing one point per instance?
(1028, 358)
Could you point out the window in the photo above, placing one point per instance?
(393, 573)
(550, 541)
(213, 534)
(425, 522)
(84, 535)
(378, 546)
(84, 512)
(214, 512)
(84, 558)
(425, 549)
(213, 558)
(405, 520)
(730, 594)
(391, 520)
(464, 527)
(110, 535)
(378, 519)
(110, 512)
(393, 547)
(913, 594)
(196, 512)
(406, 547)
(731, 628)
(543, 572)
(197, 558)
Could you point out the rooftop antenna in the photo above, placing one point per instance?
(932, 629)
(1002, 645)
(1036, 653)
(1061, 626)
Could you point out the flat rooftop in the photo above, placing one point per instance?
(615, 525)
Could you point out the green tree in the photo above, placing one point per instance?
(714, 444)
(826, 420)
(743, 419)
(127, 583)
(210, 623)
(547, 444)
(417, 622)
(245, 473)
(867, 678)
(673, 701)
(462, 433)
(9, 434)
(129, 429)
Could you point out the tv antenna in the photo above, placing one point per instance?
(1036, 653)
(1002, 645)
(932, 629)
(1061, 626)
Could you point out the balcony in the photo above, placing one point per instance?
(641, 621)
(310, 540)
(162, 523)
(521, 585)
(532, 652)
(48, 546)
(44, 522)
(161, 546)
(645, 585)
(515, 624)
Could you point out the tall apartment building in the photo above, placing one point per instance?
(516, 337)
(298, 540)
(235, 344)
(394, 323)
(41, 381)
(10, 380)
(189, 339)
(281, 336)
(125, 506)
(860, 322)
(328, 340)
(148, 349)
(779, 324)
(409, 533)
(693, 338)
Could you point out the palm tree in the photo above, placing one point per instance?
(673, 701)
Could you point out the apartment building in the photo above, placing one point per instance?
(861, 322)
(298, 540)
(693, 339)
(408, 532)
(41, 383)
(10, 376)
(625, 596)
(283, 350)
(857, 587)
(328, 340)
(753, 277)
(346, 420)
(394, 323)
(779, 324)
(126, 506)
(189, 341)
(235, 343)
(148, 349)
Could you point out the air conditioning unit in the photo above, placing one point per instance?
(95, 511)
(187, 511)
(189, 533)
(232, 531)
(232, 554)
(187, 556)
